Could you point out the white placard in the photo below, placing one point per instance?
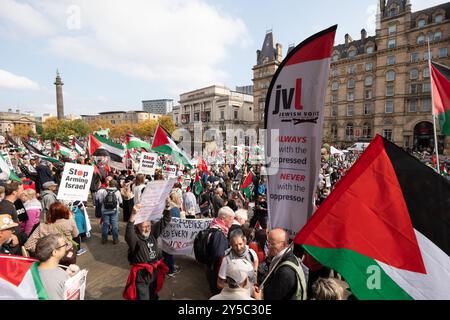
(153, 200)
(169, 171)
(75, 182)
(8, 160)
(148, 163)
(178, 237)
(75, 287)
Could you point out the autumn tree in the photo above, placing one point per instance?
(167, 123)
(146, 129)
(80, 127)
(54, 129)
(120, 130)
(99, 124)
(22, 131)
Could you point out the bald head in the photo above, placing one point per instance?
(278, 240)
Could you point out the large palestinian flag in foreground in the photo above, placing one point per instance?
(440, 81)
(386, 227)
(19, 279)
(163, 144)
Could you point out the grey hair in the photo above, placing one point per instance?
(225, 212)
(46, 245)
(241, 213)
(327, 289)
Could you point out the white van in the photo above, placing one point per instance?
(359, 146)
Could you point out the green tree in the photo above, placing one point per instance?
(80, 127)
(39, 128)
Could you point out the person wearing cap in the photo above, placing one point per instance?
(7, 226)
(48, 197)
(237, 281)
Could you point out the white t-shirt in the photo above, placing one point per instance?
(226, 259)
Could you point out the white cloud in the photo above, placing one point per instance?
(371, 19)
(178, 44)
(18, 19)
(9, 80)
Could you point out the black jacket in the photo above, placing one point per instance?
(282, 284)
(217, 245)
(43, 175)
(141, 250)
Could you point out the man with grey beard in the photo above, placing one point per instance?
(147, 266)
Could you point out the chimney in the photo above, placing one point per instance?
(363, 34)
(347, 39)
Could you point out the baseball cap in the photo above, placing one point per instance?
(49, 184)
(6, 222)
(238, 270)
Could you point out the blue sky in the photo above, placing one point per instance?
(114, 53)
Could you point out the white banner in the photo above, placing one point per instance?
(8, 160)
(169, 171)
(75, 287)
(294, 121)
(75, 182)
(178, 237)
(153, 200)
(148, 163)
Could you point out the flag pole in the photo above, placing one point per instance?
(436, 151)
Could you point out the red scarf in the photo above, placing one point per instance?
(130, 289)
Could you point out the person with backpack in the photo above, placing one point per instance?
(110, 200)
(210, 245)
(287, 280)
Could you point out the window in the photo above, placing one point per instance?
(334, 98)
(236, 114)
(391, 44)
(334, 131)
(351, 83)
(352, 53)
(387, 133)
(367, 109)
(421, 23)
(389, 90)
(415, 88)
(443, 52)
(208, 116)
(335, 57)
(392, 30)
(335, 85)
(367, 130)
(413, 74)
(389, 107)
(350, 96)
(393, 12)
(390, 75)
(426, 87)
(335, 72)
(426, 105)
(349, 131)
(368, 81)
(369, 66)
(412, 105)
(390, 60)
(222, 115)
(350, 110)
(421, 39)
(429, 36)
(369, 49)
(415, 57)
(368, 94)
(350, 69)
(438, 18)
(437, 36)
(425, 55)
(196, 116)
(334, 110)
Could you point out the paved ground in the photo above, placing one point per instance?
(108, 270)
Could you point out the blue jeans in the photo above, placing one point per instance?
(111, 217)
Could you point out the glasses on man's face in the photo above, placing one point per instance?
(64, 245)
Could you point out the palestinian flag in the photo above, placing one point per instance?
(79, 148)
(198, 188)
(440, 83)
(246, 186)
(100, 146)
(19, 279)
(37, 153)
(63, 150)
(136, 143)
(6, 173)
(163, 144)
(203, 166)
(385, 228)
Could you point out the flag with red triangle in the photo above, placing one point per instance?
(385, 227)
(198, 188)
(163, 144)
(247, 184)
(440, 84)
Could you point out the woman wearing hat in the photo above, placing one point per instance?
(7, 226)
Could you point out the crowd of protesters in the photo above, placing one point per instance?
(245, 260)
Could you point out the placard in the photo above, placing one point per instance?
(75, 287)
(169, 171)
(75, 182)
(148, 163)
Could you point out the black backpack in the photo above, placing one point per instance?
(201, 245)
(110, 201)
